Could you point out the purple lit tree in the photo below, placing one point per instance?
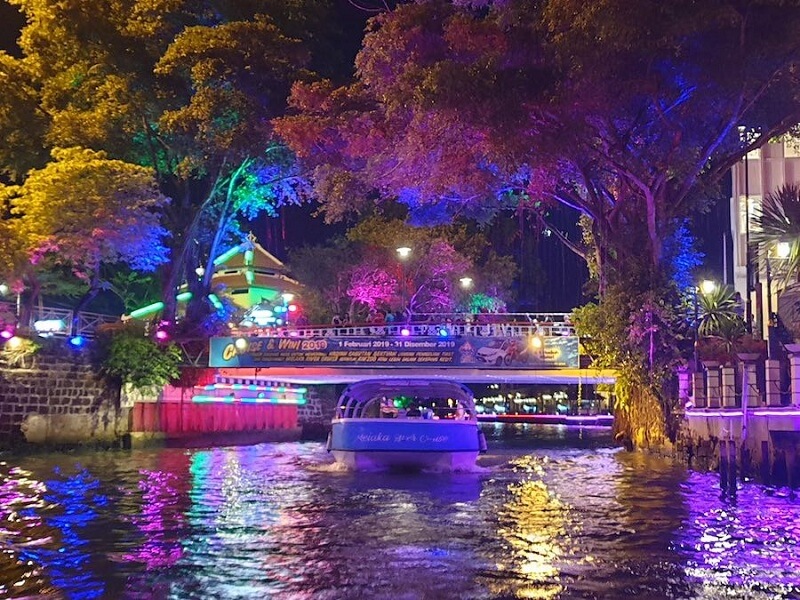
(363, 273)
(629, 113)
(370, 285)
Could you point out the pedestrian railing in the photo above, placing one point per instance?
(53, 321)
(489, 325)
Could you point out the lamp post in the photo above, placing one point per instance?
(748, 269)
(706, 287)
(781, 250)
(287, 297)
(403, 252)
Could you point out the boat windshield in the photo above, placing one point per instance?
(406, 398)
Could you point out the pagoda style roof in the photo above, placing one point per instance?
(236, 257)
(252, 273)
(247, 274)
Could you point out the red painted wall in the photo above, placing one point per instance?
(177, 414)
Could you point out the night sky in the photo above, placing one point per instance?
(12, 21)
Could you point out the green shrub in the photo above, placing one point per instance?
(128, 355)
(16, 352)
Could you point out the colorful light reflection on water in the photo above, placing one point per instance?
(551, 513)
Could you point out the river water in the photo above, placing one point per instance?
(550, 512)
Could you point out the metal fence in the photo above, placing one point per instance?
(48, 320)
(492, 324)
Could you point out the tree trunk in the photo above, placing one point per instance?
(91, 294)
(26, 301)
(640, 419)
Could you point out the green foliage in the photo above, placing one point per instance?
(642, 337)
(722, 328)
(134, 289)
(482, 303)
(720, 313)
(19, 352)
(129, 356)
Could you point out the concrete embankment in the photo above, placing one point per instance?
(60, 401)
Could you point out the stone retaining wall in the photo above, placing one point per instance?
(315, 416)
(58, 400)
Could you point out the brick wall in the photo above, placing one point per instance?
(315, 416)
(55, 401)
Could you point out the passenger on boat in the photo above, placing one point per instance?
(388, 409)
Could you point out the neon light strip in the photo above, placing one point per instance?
(184, 297)
(715, 413)
(257, 388)
(227, 255)
(201, 399)
(248, 257)
(146, 310)
(789, 412)
(215, 301)
(587, 417)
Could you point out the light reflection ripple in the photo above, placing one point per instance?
(550, 514)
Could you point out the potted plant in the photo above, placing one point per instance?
(713, 351)
(749, 347)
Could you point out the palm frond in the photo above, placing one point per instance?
(777, 221)
(720, 313)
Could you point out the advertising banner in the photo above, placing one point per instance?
(484, 352)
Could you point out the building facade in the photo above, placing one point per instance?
(760, 173)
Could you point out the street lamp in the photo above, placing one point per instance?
(705, 288)
(5, 289)
(403, 252)
(466, 282)
(781, 250)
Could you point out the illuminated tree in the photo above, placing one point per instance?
(363, 272)
(184, 88)
(83, 210)
(371, 286)
(629, 113)
(440, 257)
(461, 111)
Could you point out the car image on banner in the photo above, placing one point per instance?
(499, 352)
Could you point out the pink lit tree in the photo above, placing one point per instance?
(370, 286)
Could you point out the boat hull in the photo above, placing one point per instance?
(371, 444)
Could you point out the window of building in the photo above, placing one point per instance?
(791, 148)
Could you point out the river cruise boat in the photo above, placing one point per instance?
(420, 424)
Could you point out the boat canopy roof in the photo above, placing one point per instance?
(357, 396)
